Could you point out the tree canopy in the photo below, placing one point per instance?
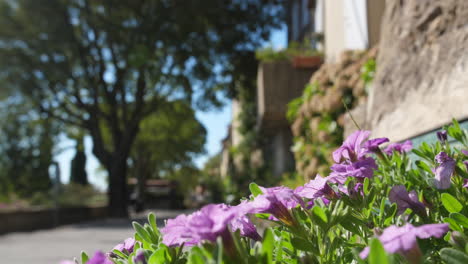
(86, 63)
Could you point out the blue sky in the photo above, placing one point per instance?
(215, 122)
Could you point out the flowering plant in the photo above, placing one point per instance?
(376, 206)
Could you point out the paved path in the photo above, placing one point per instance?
(66, 242)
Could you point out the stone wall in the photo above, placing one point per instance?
(422, 68)
(318, 125)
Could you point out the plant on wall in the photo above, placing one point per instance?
(317, 116)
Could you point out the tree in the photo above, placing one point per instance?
(86, 63)
(166, 145)
(78, 164)
(26, 148)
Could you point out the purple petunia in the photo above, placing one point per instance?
(277, 201)
(208, 223)
(99, 258)
(442, 136)
(399, 147)
(356, 146)
(139, 257)
(315, 188)
(361, 169)
(245, 227)
(176, 232)
(405, 200)
(211, 221)
(126, 246)
(372, 145)
(352, 160)
(443, 172)
(402, 240)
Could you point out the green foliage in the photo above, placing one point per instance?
(368, 72)
(338, 231)
(69, 195)
(317, 116)
(27, 143)
(168, 139)
(96, 64)
(294, 49)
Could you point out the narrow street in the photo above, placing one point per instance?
(66, 242)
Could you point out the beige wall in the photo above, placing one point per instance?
(334, 30)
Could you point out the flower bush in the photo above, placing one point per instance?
(376, 206)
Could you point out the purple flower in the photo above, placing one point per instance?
(465, 152)
(67, 262)
(126, 246)
(277, 201)
(211, 221)
(283, 195)
(402, 240)
(372, 145)
(245, 227)
(176, 232)
(466, 164)
(465, 183)
(444, 171)
(139, 258)
(99, 258)
(405, 200)
(355, 191)
(315, 188)
(356, 146)
(399, 147)
(442, 136)
(361, 169)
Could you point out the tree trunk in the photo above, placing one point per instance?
(118, 195)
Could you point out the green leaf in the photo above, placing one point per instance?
(84, 257)
(141, 231)
(460, 219)
(119, 253)
(377, 253)
(453, 224)
(160, 256)
(366, 186)
(152, 221)
(319, 217)
(254, 189)
(320, 213)
(422, 165)
(268, 245)
(452, 256)
(390, 214)
(304, 245)
(196, 256)
(451, 203)
(218, 253)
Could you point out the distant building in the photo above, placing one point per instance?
(331, 26)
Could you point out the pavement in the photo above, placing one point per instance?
(66, 242)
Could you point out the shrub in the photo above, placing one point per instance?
(376, 206)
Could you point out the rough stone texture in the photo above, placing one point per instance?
(359, 114)
(422, 68)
